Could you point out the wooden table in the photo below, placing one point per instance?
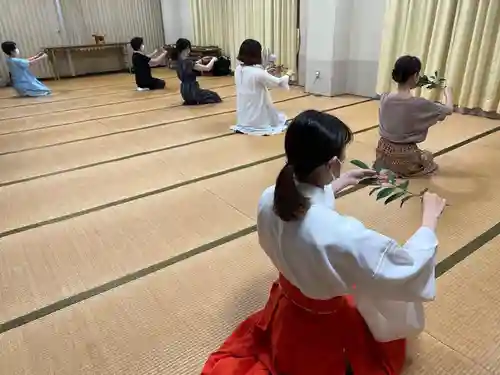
(119, 48)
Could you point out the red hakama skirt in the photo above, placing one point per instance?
(296, 335)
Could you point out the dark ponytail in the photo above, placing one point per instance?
(313, 139)
(181, 45)
(289, 203)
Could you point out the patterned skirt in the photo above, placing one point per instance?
(404, 159)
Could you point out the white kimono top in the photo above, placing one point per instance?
(254, 107)
(325, 254)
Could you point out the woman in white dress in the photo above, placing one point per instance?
(256, 114)
(347, 297)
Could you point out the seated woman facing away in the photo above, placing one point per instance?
(23, 81)
(190, 88)
(346, 297)
(142, 64)
(255, 110)
(405, 121)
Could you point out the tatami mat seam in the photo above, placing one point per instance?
(129, 87)
(134, 129)
(141, 128)
(218, 197)
(158, 96)
(70, 123)
(464, 355)
(137, 196)
(143, 153)
(199, 179)
(442, 267)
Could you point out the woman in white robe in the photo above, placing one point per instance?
(347, 297)
(256, 114)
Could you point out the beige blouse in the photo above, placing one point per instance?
(407, 120)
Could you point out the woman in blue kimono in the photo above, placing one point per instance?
(23, 81)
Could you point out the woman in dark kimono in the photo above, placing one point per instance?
(190, 88)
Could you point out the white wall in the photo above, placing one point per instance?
(177, 21)
(351, 32)
(367, 18)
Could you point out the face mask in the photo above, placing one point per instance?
(335, 167)
(16, 51)
(143, 48)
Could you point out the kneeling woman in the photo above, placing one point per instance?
(405, 121)
(255, 110)
(311, 324)
(190, 88)
(23, 81)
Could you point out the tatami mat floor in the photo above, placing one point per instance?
(127, 234)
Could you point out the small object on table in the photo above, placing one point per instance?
(99, 39)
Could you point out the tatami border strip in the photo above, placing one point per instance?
(81, 97)
(133, 100)
(441, 268)
(132, 130)
(146, 194)
(143, 153)
(71, 123)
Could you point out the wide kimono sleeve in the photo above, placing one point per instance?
(377, 265)
(271, 81)
(389, 281)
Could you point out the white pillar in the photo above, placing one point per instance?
(340, 40)
(325, 46)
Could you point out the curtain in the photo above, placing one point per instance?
(227, 23)
(83, 18)
(458, 38)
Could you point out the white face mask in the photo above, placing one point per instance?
(16, 51)
(143, 48)
(335, 167)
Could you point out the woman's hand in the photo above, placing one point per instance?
(354, 176)
(433, 206)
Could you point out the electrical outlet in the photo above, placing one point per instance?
(317, 74)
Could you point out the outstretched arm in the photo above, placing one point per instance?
(158, 60)
(152, 54)
(269, 80)
(35, 59)
(199, 66)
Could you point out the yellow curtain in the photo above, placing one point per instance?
(227, 23)
(459, 38)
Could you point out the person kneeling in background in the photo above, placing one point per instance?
(22, 80)
(142, 64)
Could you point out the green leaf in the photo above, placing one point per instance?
(393, 197)
(360, 164)
(404, 185)
(406, 199)
(374, 190)
(385, 193)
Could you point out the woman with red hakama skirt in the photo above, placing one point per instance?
(347, 297)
